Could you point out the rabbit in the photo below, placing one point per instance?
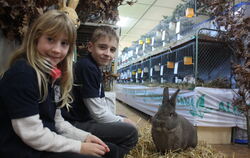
(70, 10)
(171, 131)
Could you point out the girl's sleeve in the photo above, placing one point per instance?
(31, 131)
(66, 129)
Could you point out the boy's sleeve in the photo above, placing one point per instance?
(100, 111)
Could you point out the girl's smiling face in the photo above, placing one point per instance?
(54, 49)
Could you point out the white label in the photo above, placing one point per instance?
(178, 26)
(136, 50)
(136, 75)
(130, 53)
(151, 72)
(176, 68)
(163, 35)
(157, 68)
(142, 74)
(162, 69)
(162, 80)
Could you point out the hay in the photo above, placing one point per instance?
(145, 148)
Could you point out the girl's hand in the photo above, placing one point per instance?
(93, 139)
(92, 149)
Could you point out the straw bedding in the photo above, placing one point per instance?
(145, 149)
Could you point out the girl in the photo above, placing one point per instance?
(31, 96)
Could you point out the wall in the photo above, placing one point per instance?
(6, 50)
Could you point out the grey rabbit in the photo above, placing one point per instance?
(171, 131)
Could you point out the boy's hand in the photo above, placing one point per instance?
(93, 139)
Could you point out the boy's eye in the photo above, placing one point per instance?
(113, 50)
(102, 46)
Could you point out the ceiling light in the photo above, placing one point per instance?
(124, 21)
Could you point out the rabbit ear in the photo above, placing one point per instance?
(62, 3)
(173, 97)
(73, 3)
(165, 96)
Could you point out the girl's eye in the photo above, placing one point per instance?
(49, 39)
(65, 43)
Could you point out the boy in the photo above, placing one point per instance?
(90, 110)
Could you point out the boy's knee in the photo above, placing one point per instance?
(133, 135)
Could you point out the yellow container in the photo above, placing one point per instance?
(170, 64)
(189, 12)
(188, 60)
(148, 40)
(133, 72)
(139, 71)
(141, 42)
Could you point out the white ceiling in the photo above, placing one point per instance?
(142, 17)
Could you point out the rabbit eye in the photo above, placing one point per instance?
(66, 12)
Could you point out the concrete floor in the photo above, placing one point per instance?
(231, 150)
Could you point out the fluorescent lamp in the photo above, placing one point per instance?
(124, 21)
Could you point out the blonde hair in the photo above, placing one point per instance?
(52, 23)
(104, 31)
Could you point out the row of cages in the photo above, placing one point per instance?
(158, 39)
(183, 64)
(167, 32)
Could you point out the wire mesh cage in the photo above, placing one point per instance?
(127, 74)
(157, 38)
(155, 69)
(145, 71)
(184, 59)
(168, 60)
(133, 70)
(121, 77)
(139, 71)
(139, 47)
(213, 61)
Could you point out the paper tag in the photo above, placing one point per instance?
(176, 68)
(143, 47)
(162, 69)
(153, 41)
(163, 35)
